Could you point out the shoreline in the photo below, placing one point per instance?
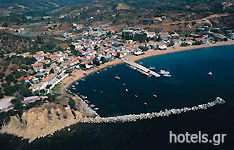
(79, 74)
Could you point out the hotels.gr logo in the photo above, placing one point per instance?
(216, 139)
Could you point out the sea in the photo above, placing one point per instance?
(189, 85)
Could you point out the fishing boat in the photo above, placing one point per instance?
(163, 72)
(117, 77)
(210, 73)
(92, 105)
(87, 101)
(151, 68)
(167, 75)
(83, 97)
(96, 108)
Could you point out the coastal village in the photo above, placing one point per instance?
(91, 47)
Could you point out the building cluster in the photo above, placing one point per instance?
(94, 46)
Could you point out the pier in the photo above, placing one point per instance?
(143, 116)
(140, 68)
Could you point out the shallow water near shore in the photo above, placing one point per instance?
(189, 85)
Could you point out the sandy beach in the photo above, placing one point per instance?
(78, 74)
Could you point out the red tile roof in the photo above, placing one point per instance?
(37, 65)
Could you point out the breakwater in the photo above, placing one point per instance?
(143, 116)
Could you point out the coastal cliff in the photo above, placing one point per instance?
(41, 121)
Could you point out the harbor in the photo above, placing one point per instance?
(135, 66)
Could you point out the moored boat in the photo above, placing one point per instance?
(117, 77)
(210, 73)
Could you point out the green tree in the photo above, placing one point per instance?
(71, 103)
(25, 92)
(9, 78)
(1, 95)
(96, 62)
(2, 75)
(17, 101)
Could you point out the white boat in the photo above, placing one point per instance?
(87, 101)
(83, 97)
(73, 86)
(92, 105)
(167, 75)
(117, 77)
(136, 96)
(94, 90)
(155, 95)
(210, 73)
(82, 79)
(124, 84)
(101, 91)
(145, 103)
(151, 68)
(96, 108)
(163, 72)
(76, 83)
(126, 90)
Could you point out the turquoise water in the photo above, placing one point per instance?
(189, 85)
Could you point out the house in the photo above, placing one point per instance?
(37, 67)
(59, 59)
(150, 34)
(39, 56)
(164, 36)
(28, 78)
(137, 53)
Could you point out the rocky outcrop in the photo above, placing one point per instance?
(41, 121)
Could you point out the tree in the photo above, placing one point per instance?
(17, 101)
(96, 62)
(1, 95)
(71, 103)
(50, 98)
(2, 75)
(25, 92)
(118, 55)
(9, 90)
(103, 59)
(48, 86)
(9, 78)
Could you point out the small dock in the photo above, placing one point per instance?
(140, 68)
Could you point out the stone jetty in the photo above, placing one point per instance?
(143, 116)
